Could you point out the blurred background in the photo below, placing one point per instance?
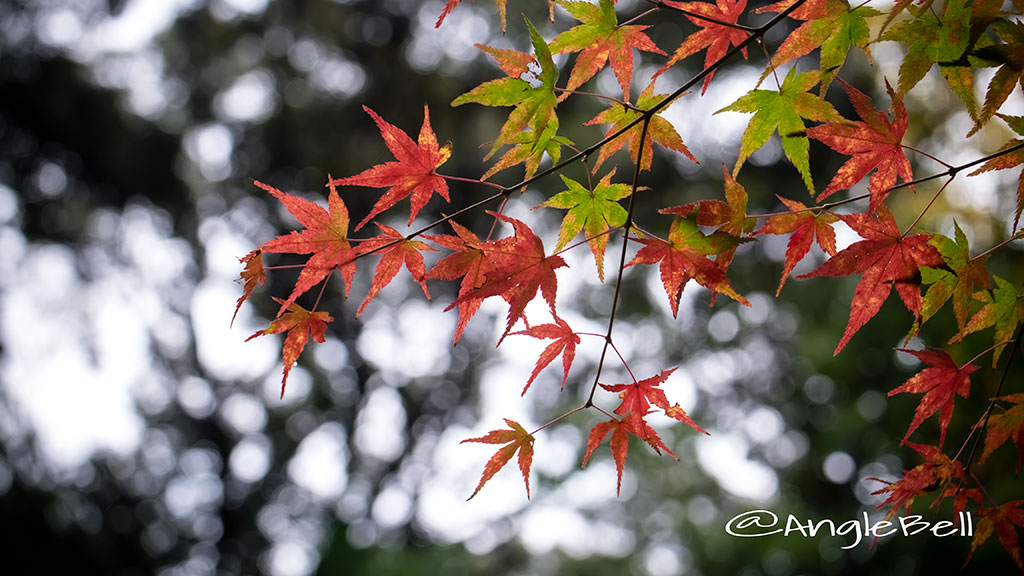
(139, 434)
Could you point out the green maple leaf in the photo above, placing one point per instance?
(830, 25)
(600, 40)
(1002, 308)
(659, 130)
(1010, 56)
(934, 39)
(594, 211)
(1010, 160)
(957, 280)
(784, 111)
(534, 105)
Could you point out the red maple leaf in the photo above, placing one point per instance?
(517, 271)
(325, 237)
(517, 440)
(805, 226)
(1001, 519)
(713, 36)
(936, 471)
(300, 324)
(468, 262)
(875, 143)
(253, 275)
(565, 341)
(684, 257)
(886, 258)
(940, 383)
(395, 250)
(638, 397)
(413, 174)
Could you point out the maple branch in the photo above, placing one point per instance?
(988, 411)
(661, 5)
(926, 155)
(471, 181)
(626, 105)
(637, 17)
(952, 171)
(622, 265)
(566, 415)
(926, 208)
(1017, 236)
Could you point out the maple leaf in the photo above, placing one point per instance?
(517, 439)
(875, 142)
(565, 341)
(468, 262)
(395, 250)
(638, 397)
(412, 175)
(729, 217)
(533, 100)
(1001, 519)
(831, 25)
(593, 211)
(1006, 425)
(956, 280)
(516, 273)
(325, 237)
(684, 257)
(936, 471)
(805, 226)
(300, 324)
(600, 40)
(886, 258)
(934, 39)
(783, 111)
(620, 430)
(1010, 160)
(501, 11)
(1010, 56)
(1002, 308)
(253, 275)
(714, 36)
(940, 383)
(659, 131)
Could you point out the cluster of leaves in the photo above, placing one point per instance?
(926, 269)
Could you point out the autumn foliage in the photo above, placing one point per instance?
(925, 268)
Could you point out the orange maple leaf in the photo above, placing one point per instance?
(565, 341)
(516, 273)
(325, 237)
(413, 174)
(936, 471)
(712, 35)
(886, 258)
(253, 274)
(300, 324)
(468, 262)
(1001, 519)
(875, 142)
(395, 250)
(619, 443)
(1006, 425)
(805, 226)
(517, 439)
(940, 383)
(638, 397)
(684, 257)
